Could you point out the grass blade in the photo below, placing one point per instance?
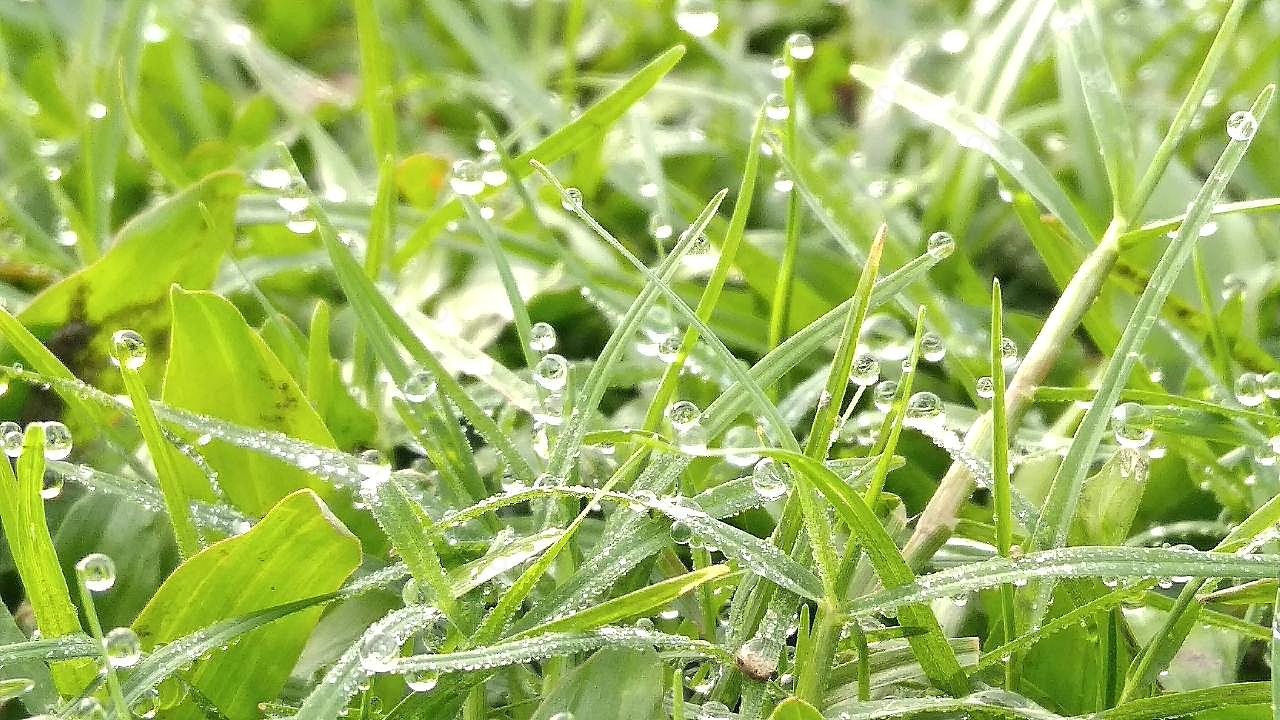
(638, 603)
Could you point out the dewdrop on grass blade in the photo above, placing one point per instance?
(419, 386)
(1249, 390)
(800, 46)
(940, 245)
(542, 337)
(466, 178)
(1133, 425)
(865, 370)
(775, 107)
(128, 350)
(985, 388)
(683, 415)
(697, 17)
(1242, 125)
(11, 438)
(768, 479)
(57, 441)
(551, 372)
(122, 647)
(924, 410)
(932, 348)
(97, 572)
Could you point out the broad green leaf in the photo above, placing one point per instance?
(181, 240)
(298, 550)
(615, 684)
(218, 366)
(984, 135)
(590, 124)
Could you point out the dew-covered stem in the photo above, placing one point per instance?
(1003, 493)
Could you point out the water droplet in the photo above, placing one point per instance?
(775, 107)
(491, 170)
(301, 223)
(800, 46)
(986, 387)
(419, 386)
(378, 650)
(865, 370)
(89, 709)
(97, 572)
(295, 201)
(737, 438)
(1009, 353)
(552, 372)
(542, 337)
(146, 705)
(885, 337)
(96, 110)
(1271, 385)
(953, 41)
(1241, 126)
(697, 17)
(924, 410)
(1250, 390)
(57, 441)
(940, 245)
(659, 228)
(11, 438)
(123, 650)
(780, 69)
(466, 177)
(52, 485)
(272, 178)
(669, 348)
(931, 347)
(1133, 425)
(681, 532)
(237, 34)
(683, 415)
(128, 349)
(571, 200)
(421, 680)
(884, 393)
(769, 479)
(782, 182)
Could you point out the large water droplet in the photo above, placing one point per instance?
(11, 438)
(128, 349)
(97, 572)
(986, 388)
(697, 17)
(52, 485)
(1133, 425)
(419, 386)
(775, 107)
(146, 705)
(57, 441)
(491, 170)
(931, 347)
(542, 337)
(683, 415)
(940, 245)
(1250, 390)
(552, 372)
(421, 680)
(884, 393)
(467, 178)
(1242, 125)
(1271, 385)
(865, 370)
(1009, 353)
(924, 410)
(123, 650)
(378, 650)
(769, 479)
(737, 438)
(800, 46)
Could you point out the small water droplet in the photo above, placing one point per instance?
(782, 182)
(940, 245)
(780, 69)
(542, 337)
(669, 347)
(697, 17)
(1250, 390)
(800, 46)
(96, 110)
(421, 680)
(571, 200)
(769, 479)
(924, 410)
(659, 228)
(776, 108)
(128, 349)
(683, 415)
(57, 441)
(122, 648)
(986, 388)
(931, 347)
(865, 370)
(97, 572)
(552, 372)
(378, 650)
(1009, 353)
(419, 386)
(11, 438)
(1133, 425)
(1242, 125)
(491, 170)
(466, 178)
(884, 393)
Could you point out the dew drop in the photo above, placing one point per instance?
(97, 572)
(128, 349)
(736, 439)
(986, 388)
(11, 438)
(571, 200)
(552, 372)
(800, 46)
(378, 650)
(89, 709)
(683, 415)
(123, 650)
(924, 410)
(421, 680)
(96, 110)
(940, 245)
(669, 348)
(1271, 385)
(1009, 353)
(659, 228)
(1250, 390)
(1241, 126)
(775, 107)
(884, 393)
(782, 182)
(419, 386)
(467, 178)
(52, 485)
(147, 704)
(491, 170)
(301, 223)
(1133, 425)
(769, 479)
(57, 441)
(697, 17)
(542, 337)
(865, 370)
(780, 69)
(931, 347)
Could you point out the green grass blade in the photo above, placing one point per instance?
(1000, 475)
(518, 309)
(984, 135)
(1190, 702)
(412, 535)
(1059, 507)
(1101, 96)
(633, 604)
(375, 80)
(590, 124)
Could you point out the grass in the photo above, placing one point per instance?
(340, 470)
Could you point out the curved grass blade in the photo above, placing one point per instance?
(984, 703)
(412, 534)
(1190, 702)
(985, 135)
